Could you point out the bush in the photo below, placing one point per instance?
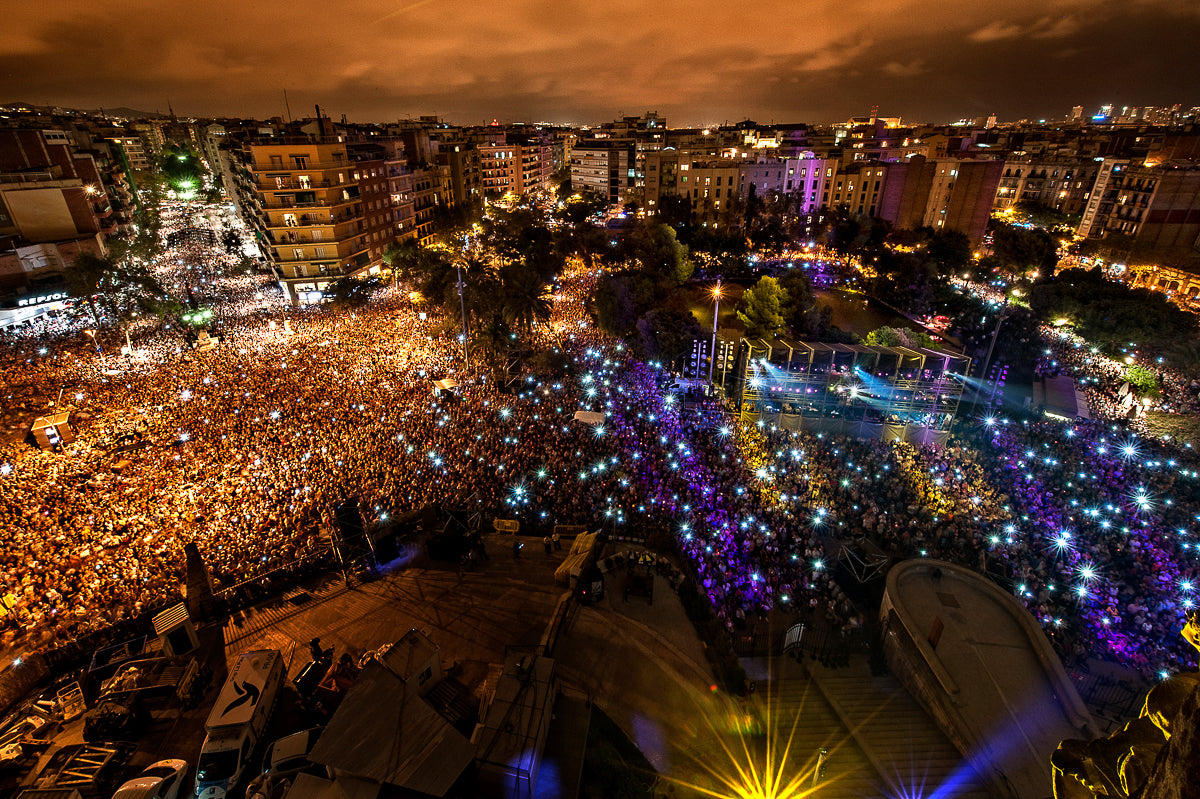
(1143, 381)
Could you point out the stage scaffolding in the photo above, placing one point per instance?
(903, 393)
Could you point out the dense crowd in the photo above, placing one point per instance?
(251, 446)
(1103, 379)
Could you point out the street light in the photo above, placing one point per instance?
(462, 300)
(712, 355)
(92, 335)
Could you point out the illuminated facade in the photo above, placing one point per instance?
(1063, 184)
(607, 167)
(324, 208)
(1158, 206)
(515, 167)
(870, 392)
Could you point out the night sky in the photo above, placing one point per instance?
(577, 61)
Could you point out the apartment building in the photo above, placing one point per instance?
(1158, 206)
(135, 152)
(416, 197)
(805, 179)
(53, 207)
(323, 207)
(854, 185)
(519, 167)
(942, 193)
(607, 167)
(1063, 184)
(48, 190)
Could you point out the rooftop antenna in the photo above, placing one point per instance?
(287, 106)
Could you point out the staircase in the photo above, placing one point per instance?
(793, 697)
(913, 757)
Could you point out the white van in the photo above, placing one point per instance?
(237, 721)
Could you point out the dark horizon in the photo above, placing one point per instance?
(578, 63)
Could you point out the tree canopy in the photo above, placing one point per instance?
(1112, 313)
(761, 308)
(116, 291)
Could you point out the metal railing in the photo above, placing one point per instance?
(1111, 699)
(270, 184)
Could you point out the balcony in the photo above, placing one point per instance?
(285, 256)
(280, 238)
(283, 237)
(281, 184)
(312, 220)
(259, 166)
(273, 203)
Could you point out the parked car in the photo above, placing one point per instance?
(161, 780)
(288, 756)
(284, 759)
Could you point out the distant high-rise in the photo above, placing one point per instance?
(1076, 113)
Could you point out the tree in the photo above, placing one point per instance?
(844, 230)
(1042, 216)
(349, 292)
(580, 235)
(492, 342)
(525, 299)
(675, 211)
(183, 169)
(1112, 314)
(950, 251)
(1143, 381)
(761, 308)
(723, 252)
(1024, 249)
(116, 291)
(883, 337)
(899, 337)
(657, 249)
(616, 304)
(799, 292)
(668, 333)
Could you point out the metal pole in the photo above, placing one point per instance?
(988, 358)
(712, 355)
(463, 304)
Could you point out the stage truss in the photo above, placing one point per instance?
(892, 392)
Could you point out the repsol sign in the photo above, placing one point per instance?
(38, 299)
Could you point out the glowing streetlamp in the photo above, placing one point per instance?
(712, 355)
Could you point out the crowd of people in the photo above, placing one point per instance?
(250, 447)
(1103, 380)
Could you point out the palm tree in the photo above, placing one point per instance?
(491, 342)
(526, 299)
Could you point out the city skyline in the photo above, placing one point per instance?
(696, 63)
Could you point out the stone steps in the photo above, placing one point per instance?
(913, 755)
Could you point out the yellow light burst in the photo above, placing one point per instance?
(761, 762)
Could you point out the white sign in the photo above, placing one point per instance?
(38, 300)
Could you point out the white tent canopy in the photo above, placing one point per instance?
(589, 417)
(445, 385)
